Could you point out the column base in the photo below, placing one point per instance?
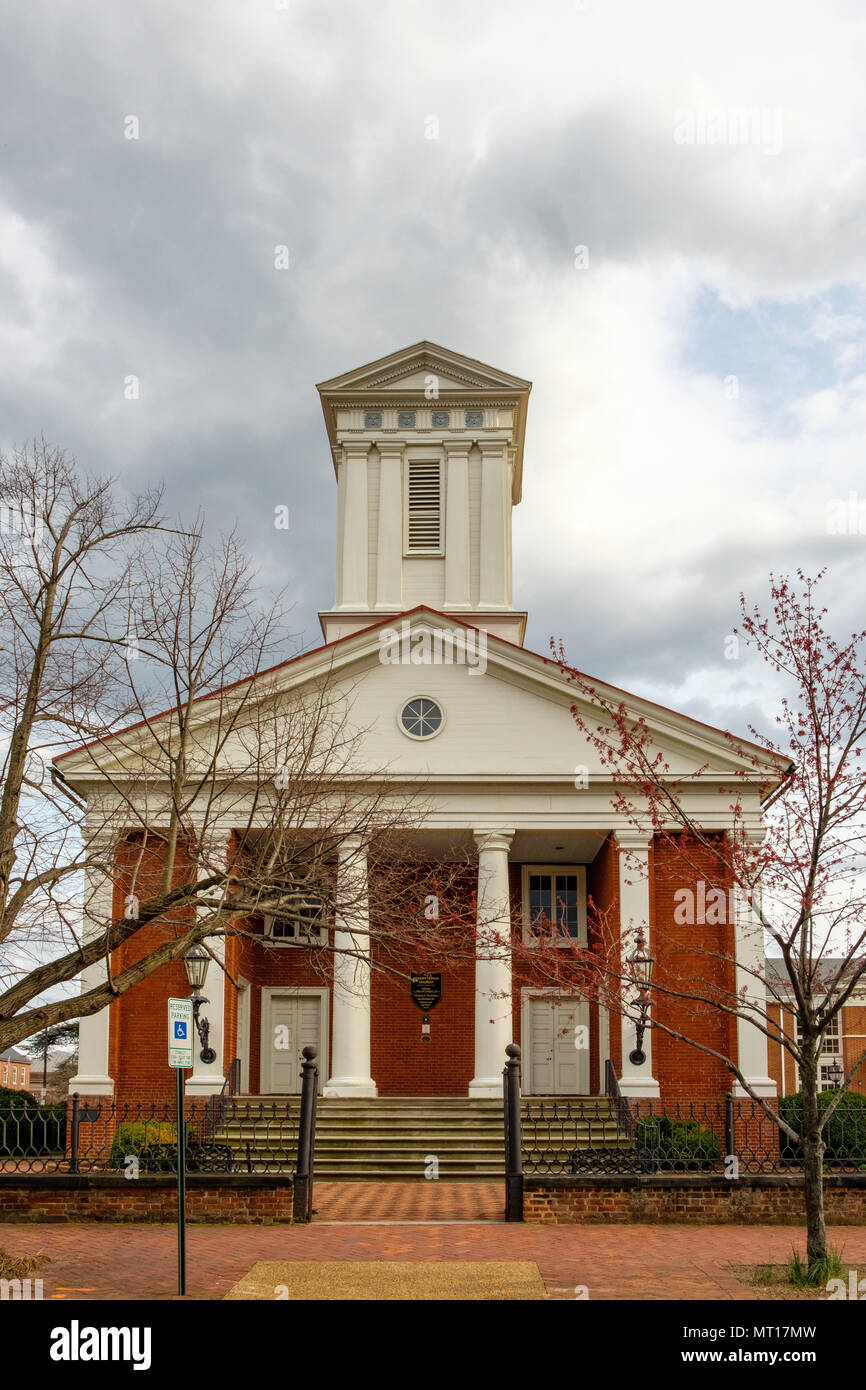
(351, 1086)
(92, 1085)
(486, 1088)
(761, 1085)
(204, 1086)
(639, 1087)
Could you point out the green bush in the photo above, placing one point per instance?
(200, 1158)
(132, 1138)
(844, 1133)
(677, 1144)
(16, 1100)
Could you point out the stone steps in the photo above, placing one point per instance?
(393, 1137)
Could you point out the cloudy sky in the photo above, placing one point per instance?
(699, 367)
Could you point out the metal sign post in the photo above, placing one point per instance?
(180, 1031)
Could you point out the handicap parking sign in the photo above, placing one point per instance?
(180, 1032)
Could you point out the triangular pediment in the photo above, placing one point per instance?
(410, 370)
(509, 711)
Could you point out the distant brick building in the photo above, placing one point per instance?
(14, 1070)
(843, 1042)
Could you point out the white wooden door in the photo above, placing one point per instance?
(558, 1047)
(295, 1023)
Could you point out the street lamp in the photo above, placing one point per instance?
(834, 1074)
(642, 973)
(196, 962)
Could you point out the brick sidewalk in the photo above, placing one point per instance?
(93, 1261)
(409, 1201)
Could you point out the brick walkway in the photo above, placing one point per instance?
(409, 1201)
(93, 1261)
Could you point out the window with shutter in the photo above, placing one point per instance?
(424, 507)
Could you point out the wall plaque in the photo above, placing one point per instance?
(426, 990)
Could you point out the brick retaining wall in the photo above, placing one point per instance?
(755, 1199)
(242, 1200)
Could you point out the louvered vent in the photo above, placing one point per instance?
(425, 507)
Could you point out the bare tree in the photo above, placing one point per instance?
(209, 785)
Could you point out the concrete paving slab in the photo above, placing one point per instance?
(487, 1280)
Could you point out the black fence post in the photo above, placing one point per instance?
(729, 1126)
(73, 1141)
(513, 1135)
(302, 1197)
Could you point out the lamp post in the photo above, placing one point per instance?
(834, 1074)
(196, 962)
(642, 973)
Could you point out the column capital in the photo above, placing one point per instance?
(497, 839)
(633, 841)
(456, 448)
(390, 448)
(356, 448)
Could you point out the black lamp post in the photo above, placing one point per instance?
(834, 1074)
(642, 973)
(196, 962)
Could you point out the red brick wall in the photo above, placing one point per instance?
(686, 954)
(763, 1201)
(138, 1058)
(854, 1042)
(401, 1064)
(238, 1200)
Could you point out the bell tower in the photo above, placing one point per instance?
(428, 453)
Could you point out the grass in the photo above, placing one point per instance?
(802, 1277)
(20, 1266)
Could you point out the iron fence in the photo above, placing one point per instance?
(223, 1135)
(564, 1137)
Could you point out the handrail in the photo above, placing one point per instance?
(624, 1113)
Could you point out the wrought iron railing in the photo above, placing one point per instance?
(233, 1135)
(565, 1136)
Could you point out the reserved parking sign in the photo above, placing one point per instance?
(180, 1031)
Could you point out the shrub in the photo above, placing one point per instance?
(200, 1158)
(844, 1133)
(16, 1100)
(677, 1144)
(140, 1134)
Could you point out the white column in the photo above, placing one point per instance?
(350, 1048)
(634, 912)
(389, 544)
(207, 1077)
(493, 1015)
(750, 955)
(92, 1078)
(494, 520)
(457, 526)
(353, 530)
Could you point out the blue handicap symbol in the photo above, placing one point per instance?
(180, 1029)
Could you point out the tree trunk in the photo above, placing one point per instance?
(813, 1168)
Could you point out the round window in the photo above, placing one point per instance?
(421, 717)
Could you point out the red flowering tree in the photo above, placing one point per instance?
(801, 890)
